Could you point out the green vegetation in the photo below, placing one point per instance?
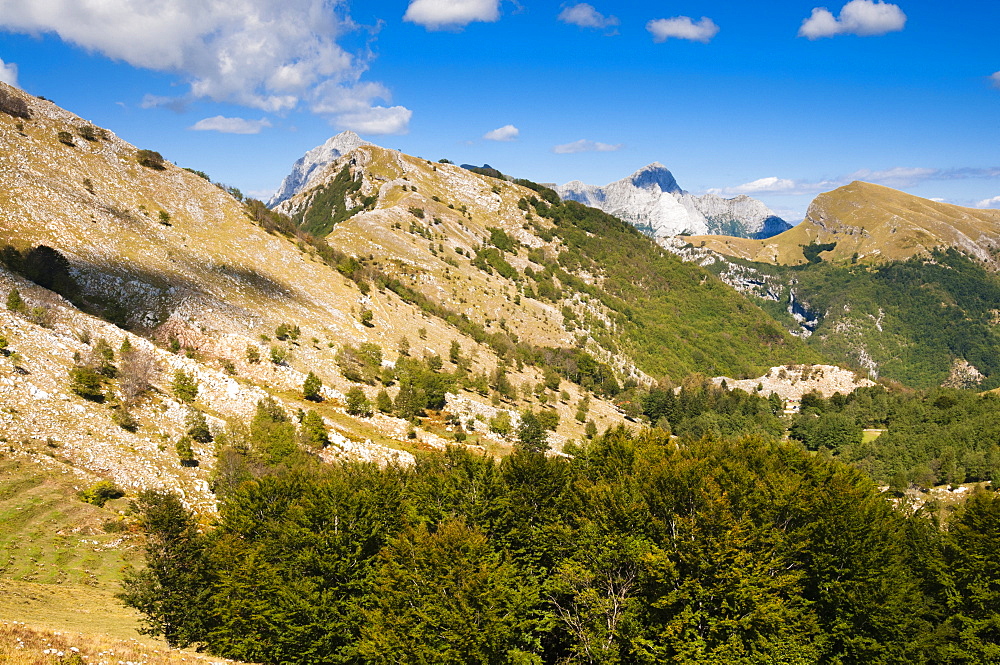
(150, 159)
(672, 318)
(329, 208)
(312, 387)
(913, 318)
(184, 386)
(739, 550)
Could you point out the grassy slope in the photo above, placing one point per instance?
(876, 223)
(59, 567)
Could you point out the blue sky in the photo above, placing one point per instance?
(779, 100)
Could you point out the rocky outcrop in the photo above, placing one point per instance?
(651, 200)
(308, 168)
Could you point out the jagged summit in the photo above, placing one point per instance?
(651, 200)
(656, 174)
(308, 167)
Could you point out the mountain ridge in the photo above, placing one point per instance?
(651, 200)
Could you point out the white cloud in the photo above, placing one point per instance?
(8, 73)
(995, 79)
(175, 104)
(505, 133)
(230, 125)
(682, 27)
(896, 177)
(585, 16)
(255, 53)
(376, 120)
(584, 145)
(858, 17)
(899, 176)
(451, 14)
(989, 203)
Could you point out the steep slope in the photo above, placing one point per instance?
(307, 168)
(651, 200)
(200, 283)
(872, 223)
(556, 275)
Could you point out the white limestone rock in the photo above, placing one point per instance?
(308, 168)
(651, 200)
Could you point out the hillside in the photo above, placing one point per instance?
(872, 223)
(551, 273)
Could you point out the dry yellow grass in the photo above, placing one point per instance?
(22, 644)
(875, 223)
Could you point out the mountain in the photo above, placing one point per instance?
(308, 166)
(651, 200)
(872, 223)
(888, 283)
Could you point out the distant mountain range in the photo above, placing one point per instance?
(651, 200)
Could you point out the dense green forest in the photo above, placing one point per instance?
(638, 548)
(913, 317)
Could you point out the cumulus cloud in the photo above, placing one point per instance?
(584, 145)
(254, 53)
(989, 203)
(858, 17)
(505, 133)
(230, 125)
(376, 120)
(585, 16)
(682, 27)
(995, 79)
(8, 73)
(451, 14)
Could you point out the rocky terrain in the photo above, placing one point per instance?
(309, 166)
(652, 201)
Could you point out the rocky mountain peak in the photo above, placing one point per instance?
(308, 167)
(658, 175)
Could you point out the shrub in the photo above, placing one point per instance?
(311, 388)
(198, 427)
(185, 386)
(185, 451)
(164, 218)
(500, 424)
(383, 402)
(87, 132)
(15, 303)
(150, 159)
(357, 403)
(87, 383)
(366, 318)
(253, 354)
(65, 138)
(101, 492)
(124, 419)
(279, 355)
(312, 431)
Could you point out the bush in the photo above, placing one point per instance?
(383, 402)
(358, 404)
(185, 451)
(101, 492)
(253, 354)
(15, 303)
(87, 132)
(65, 138)
(124, 419)
(198, 427)
(500, 424)
(185, 386)
(311, 388)
(87, 383)
(150, 159)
